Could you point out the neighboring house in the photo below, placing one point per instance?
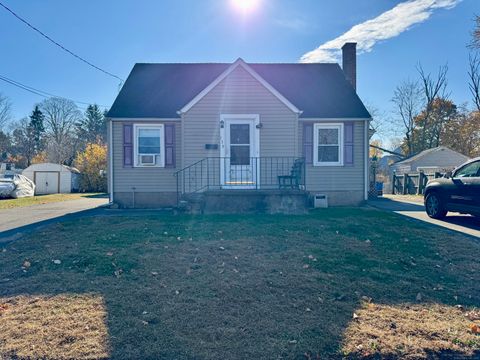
(8, 170)
(53, 178)
(439, 159)
(176, 129)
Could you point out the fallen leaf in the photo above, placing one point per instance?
(473, 315)
(474, 328)
(118, 272)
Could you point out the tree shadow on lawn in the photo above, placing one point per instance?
(237, 287)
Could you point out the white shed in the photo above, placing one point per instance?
(53, 178)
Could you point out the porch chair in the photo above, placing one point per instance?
(293, 180)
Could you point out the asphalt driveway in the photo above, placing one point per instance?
(21, 219)
(408, 206)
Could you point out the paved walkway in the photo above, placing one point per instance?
(22, 219)
(414, 208)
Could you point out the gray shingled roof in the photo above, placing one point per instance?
(160, 90)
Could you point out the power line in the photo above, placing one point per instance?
(41, 92)
(58, 44)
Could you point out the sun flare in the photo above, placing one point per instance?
(245, 5)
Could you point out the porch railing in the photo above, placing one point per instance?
(216, 173)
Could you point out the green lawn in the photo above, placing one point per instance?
(337, 282)
(44, 199)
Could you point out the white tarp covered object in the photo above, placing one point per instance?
(18, 187)
(24, 187)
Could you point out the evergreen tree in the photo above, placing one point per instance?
(92, 128)
(37, 128)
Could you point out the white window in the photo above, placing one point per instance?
(149, 146)
(328, 145)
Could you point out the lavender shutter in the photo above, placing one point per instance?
(127, 145)
(308, 143)
(170, 145)
(348, 144)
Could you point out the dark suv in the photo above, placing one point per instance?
(458, 191)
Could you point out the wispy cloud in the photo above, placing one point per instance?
(387, 25)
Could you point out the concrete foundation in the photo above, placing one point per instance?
(145, 200)
(244, 201)
(237, 201)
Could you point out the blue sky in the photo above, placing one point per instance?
(114, 34)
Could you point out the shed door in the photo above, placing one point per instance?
(47, 182)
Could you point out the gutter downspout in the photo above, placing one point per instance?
(110, 159)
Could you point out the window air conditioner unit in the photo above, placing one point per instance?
(147, 160)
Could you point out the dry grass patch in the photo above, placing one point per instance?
(412, 331)
(53, 327)
(43, 199)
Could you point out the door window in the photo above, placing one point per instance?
(470, 170)
(239, 144)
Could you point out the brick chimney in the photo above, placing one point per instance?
(349, 65)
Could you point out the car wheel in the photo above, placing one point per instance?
(434, 206)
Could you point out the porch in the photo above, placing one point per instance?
(242, 173)
(243, 184)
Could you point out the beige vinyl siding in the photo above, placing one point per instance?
(338, 178)
(151, 179)
(239, 93)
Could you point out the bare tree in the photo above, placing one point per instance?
(476, 34)
(432, 88)
(5, 110)
(407, 100)
(61, 115)
(378, 124)
(24, 140)
(474, 78)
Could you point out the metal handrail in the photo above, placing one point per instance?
(256, 173)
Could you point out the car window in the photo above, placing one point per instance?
(470, 170)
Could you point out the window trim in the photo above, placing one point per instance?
(136, 128)
(339, 127)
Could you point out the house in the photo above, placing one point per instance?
(8, 170)
(439, 159)
(53, 178)
(236, 129)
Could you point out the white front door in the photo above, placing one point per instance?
(239, 162)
